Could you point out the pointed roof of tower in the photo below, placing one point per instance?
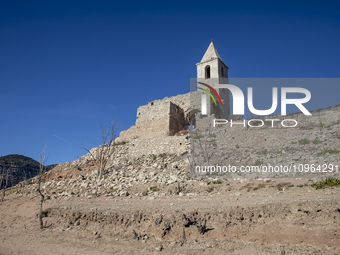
(211, 53)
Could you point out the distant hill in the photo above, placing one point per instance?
(19, 168)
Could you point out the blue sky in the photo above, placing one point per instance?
(66, 64)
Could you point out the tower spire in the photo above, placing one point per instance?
(211, 70)
(211, 53)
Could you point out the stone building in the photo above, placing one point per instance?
(212, 70)
(170, 115)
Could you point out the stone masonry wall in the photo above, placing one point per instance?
(158, 118)
(146, 129)
(320, 117)
(324, 116)
(160, 108)
(176, 119)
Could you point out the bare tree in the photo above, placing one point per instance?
(41, 171)
(4, 180)
(191, 158)
(202, 146)
(203, 143)
(1, 179)
(105, 148)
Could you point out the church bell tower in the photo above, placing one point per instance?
(212, 70)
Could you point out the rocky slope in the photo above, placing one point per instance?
(148, 199)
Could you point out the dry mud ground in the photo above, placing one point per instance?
(298, 220)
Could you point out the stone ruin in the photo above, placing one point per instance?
(172, 115)
(166, 116)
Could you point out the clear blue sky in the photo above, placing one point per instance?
(66, 64)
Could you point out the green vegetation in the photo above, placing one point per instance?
(258, 163)
(294, 142)
(154, 188)
(328, 182)
(328, 151)
(304, 141)
(283, 185)
(237, 147)
(321, 125)
(317, 141)
(106, 176)
(121, 143)
(212, 135)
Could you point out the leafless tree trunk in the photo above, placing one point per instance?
(4, 179)
(105, 149)
(192, 146)
(203, 143)
(178, 185)
(2, 174)
(41, 171)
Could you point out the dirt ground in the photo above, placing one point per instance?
(238, 218)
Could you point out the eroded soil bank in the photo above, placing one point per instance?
(293, 222)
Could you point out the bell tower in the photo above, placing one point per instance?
(212, 70)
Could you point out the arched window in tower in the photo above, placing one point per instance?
(207, 72)
(222, 72)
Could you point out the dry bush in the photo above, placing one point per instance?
(105, 147)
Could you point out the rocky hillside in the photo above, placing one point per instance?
(19, 168)
(149, 198)
(158, 165)
(305, 151)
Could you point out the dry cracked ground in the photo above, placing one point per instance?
(234, 216)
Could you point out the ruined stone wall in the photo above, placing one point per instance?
(324, 116)
(159, 118)
(320, 117)
(160, 108)
(178, 145)
(176, 119)
(146, 129)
